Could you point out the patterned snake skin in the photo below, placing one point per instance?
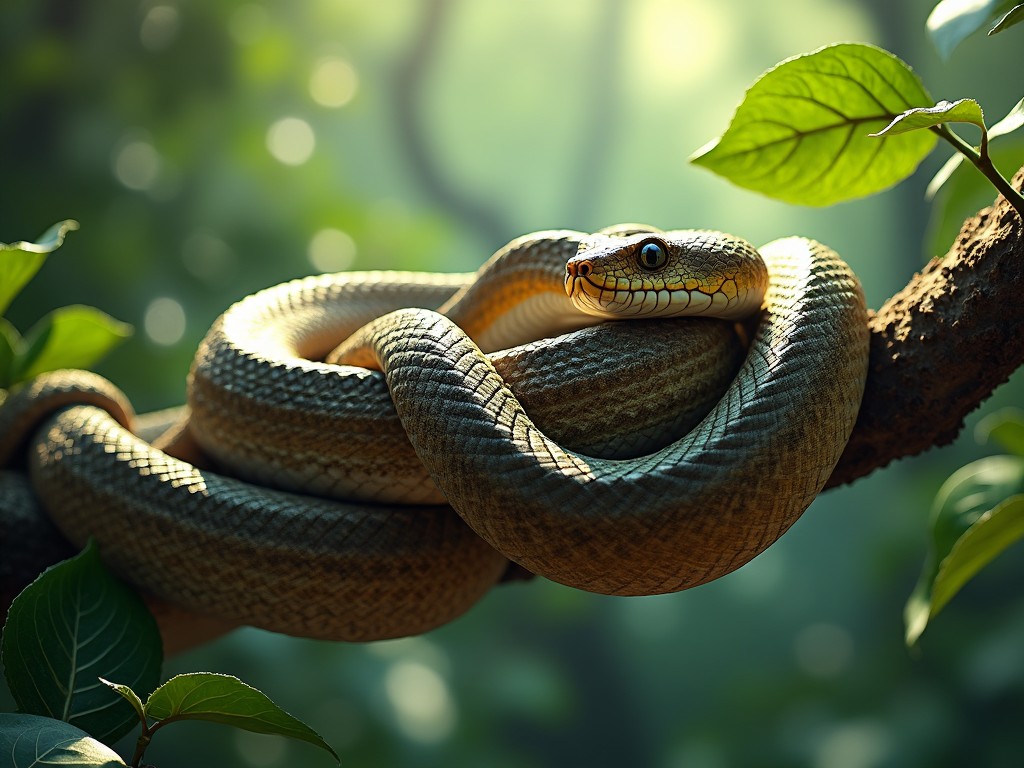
(657, 454)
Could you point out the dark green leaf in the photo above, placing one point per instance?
(72, 625)
(226, 699)
(130, 696)
(1006, 427)
(801, 133)
(10, 347)
(20, 261)
(69, 337)
(961, 111)
(967, 498)
(1014, 16)
(990, 535)
(952, 21)
(969, 493)
(30, 741)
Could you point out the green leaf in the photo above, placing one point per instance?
(20, 261)
(952, 21)
(69, 337)
(226, 699)
(72, 625)
(801, 133)
(30, 741)
(10, 347)
(1005, 427)
(943, 175)
(130, 696)
(968, 498)
(993, 532)
(960, 111)
(1014, 119)
(1014, 16)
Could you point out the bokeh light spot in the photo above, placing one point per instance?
(422, 703)
(159, 27)
(136, 164)
(682, 42)
(855, 745)
(334, 82)
(331, 250)
(164, 321)
(291, 141)
(823, 650)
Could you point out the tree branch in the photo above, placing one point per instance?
(942, 344)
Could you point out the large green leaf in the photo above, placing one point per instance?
(802, 132)
(31, 741)
(952, 21)
(975, 516)
(226, 699)
(20, 261)
(69, 337)
(71, 626)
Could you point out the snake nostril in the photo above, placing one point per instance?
(579, 268)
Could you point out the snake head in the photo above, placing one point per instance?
(666, 274)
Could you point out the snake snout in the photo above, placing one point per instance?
(578, 268)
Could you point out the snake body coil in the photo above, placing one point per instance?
(631, 508)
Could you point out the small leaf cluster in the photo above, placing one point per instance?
(69, 337)
(74, 630)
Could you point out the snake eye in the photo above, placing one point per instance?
(652, 256)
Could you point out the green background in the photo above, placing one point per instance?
(158, 126)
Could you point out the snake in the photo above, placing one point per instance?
(628, 412)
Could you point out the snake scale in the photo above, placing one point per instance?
(337, 421)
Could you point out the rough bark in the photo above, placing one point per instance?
(942, 344)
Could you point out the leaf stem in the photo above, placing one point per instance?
(140, 746)
(145, 737)
(983, 163)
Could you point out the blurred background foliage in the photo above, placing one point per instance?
(210, 149)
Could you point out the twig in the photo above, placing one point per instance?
(983, 163)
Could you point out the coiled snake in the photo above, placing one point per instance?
(658, 454)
